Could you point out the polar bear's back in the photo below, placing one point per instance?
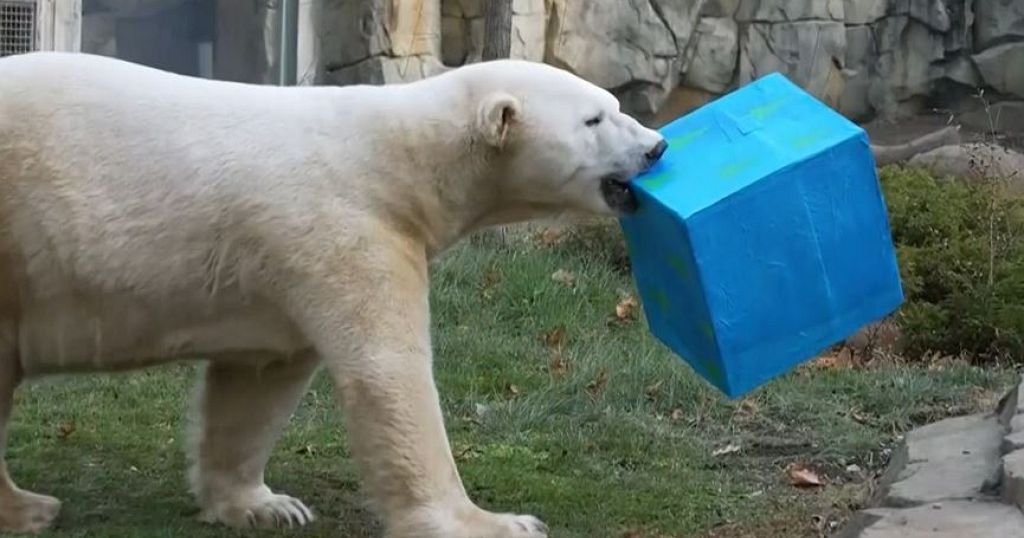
(100, 157)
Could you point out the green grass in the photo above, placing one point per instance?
(609, 435)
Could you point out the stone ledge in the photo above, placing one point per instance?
(954, 459)
(956, 519)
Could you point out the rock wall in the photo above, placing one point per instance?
(868, 58)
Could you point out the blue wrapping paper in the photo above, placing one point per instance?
(761, 237)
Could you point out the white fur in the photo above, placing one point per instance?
(147, 217)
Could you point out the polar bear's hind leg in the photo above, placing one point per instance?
(239, 414)
(20, 510)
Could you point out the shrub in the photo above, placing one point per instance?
(961, 252)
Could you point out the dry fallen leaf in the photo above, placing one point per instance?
(512, 390)
(677, 415)
(555, 337)
(559, 365)
(66, 429)
(490, 280)
(802, 476)
(563, 277)
(727, 449)
(653, 390)
(462, 453)
(596, 387)
(550, 237)
(626, 309)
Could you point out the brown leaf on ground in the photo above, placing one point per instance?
(802, 476)
(859, 417)
(463, 453)
(625, 310)
(597, 386)
(66, 429)
(550, 237)
(563, 277)
(555, 337)
(654, 390)
(559, 365)
(835, 360)
(746, 411)
(492, 277)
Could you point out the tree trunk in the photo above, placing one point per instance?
(497, 29)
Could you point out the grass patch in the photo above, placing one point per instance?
(554, 408)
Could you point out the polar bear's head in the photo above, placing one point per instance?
(561, 142)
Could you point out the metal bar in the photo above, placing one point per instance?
(288, 48)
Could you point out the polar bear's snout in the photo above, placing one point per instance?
(656, 152)
(615, 188)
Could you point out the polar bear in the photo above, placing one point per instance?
(148, 217)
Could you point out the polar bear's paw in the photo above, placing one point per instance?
(467, 523)
(260, 509)
(517, 526)
(27, 512)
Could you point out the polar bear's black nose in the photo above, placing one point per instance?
(657, 151)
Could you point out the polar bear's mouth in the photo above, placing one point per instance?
(617, 194)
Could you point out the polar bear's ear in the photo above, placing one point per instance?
(498, 114)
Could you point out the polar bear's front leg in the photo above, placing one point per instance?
(397, 435)
(376, 343)
(241, 410)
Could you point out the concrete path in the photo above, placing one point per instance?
(961, 477)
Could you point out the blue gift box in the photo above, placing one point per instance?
(761, 237)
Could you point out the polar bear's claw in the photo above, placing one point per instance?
(527, 527)
(273, 511)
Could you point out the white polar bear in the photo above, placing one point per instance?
(147, 217)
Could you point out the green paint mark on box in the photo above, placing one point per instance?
(662, 299)
(658, 180)
(808, 140)
(768, 109)
(734, 169)
(683, 140)
(678, 265)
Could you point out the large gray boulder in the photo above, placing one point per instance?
(864, 11)
(380, 41)
(789, 10)
(811, 53)
(908, 52)
(998, 20)
(632, 47)
(612, 42)
(712, 58)
(975, 161)
(932, 13)
(1002, 67)
(861, 56)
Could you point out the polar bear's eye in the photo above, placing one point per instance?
(593, 122)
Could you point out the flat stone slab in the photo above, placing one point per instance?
(955, 519)
(957, 458)
(1013, 478)
(1013, 442)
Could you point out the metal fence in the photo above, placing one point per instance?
(17, 26)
